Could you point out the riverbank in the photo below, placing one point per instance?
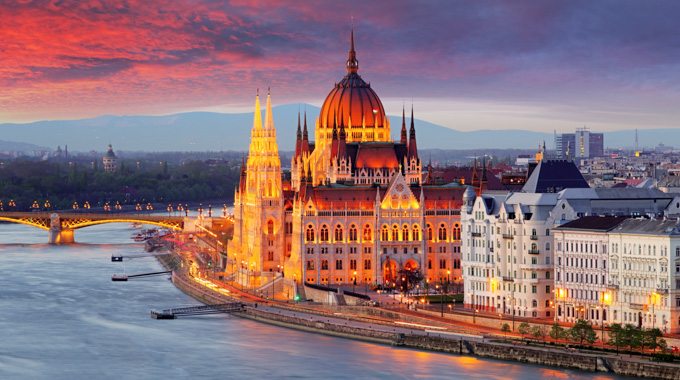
(319, 321)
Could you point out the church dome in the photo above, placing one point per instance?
(354, 100)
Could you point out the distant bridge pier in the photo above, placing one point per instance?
(56, 234)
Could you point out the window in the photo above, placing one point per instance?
(429, 265)
(367, 264)
(367, 233)
(352, 264)
(395, 233)
(456, 263)
(367, 249)
(353, 232)
(442, 263)
(534, 303)
(547, 275)
(416, 233)
(431, 238)
(338, 233)
(442, 232)
(547, 291)
(270, 227)
(384, 235)
(338, 264)
(310, 264)
(324, 233)
(324, 264)
(456, 232)
(310, 233)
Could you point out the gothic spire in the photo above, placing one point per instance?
(257, 119)
(298, 139)
(403, 126)
(352, 63)
(268, 122)
(412, 146)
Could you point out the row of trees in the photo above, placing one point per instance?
(627, 336)
(63, 183)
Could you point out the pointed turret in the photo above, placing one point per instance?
(412, 146)
(257, 119)
(304, 150)
(334, 142)
(352, 63)
(268, 122)
(342, 143)
(475, 176)
(403, 126)
(298, 139)
(242, 180)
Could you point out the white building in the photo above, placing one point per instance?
(616, 270)
(507, 242)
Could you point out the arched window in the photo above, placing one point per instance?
(270, 227)
(442, 232)
(384, 233)
(533, 233)
(404, 233)
(338, 233)
(324, 233)
(353, 232)
(310, 233)
(367, 233)
(456, 263)
(429, 264)
(416, 233)
(324, 264)
(310, 264)
(395, 233)
(534, 303)
(429, 233)
(534, 248)
(456, 232)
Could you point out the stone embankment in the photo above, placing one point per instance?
(533, 355)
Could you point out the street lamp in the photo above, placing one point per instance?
(354, 283)
(224, 210)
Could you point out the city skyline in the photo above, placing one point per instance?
(466, 66)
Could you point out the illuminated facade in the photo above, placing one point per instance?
(619, 270)
(358, 208)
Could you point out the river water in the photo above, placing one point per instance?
(61, 317)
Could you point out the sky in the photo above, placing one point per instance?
(467, 65)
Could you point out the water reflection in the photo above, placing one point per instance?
(61, 316)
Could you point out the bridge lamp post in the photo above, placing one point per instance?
(149, 207)
(47, 205)
(200, 211)
(2, 208)
(86, 205)
(75, 205)
(138, 208)
(169, 210)
(224, 210)
(209, 211)
(118, 206)
(12, 204)
(186, 209)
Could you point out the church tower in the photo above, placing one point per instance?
(258, 208)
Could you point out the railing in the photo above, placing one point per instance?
(636, 306)
(533, 252)
(508, 279)
(534, 237)
(613, 286)
(507, 236)
(662, 291)
(476, 234)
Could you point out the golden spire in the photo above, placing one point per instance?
(257, 120)
(352, 63)
(268, 122)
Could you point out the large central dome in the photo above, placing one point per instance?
(353, 101)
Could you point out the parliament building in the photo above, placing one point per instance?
(357, 206)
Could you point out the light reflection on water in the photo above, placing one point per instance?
(61, 316)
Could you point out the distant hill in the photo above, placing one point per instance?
(202, 131)
(18, 146)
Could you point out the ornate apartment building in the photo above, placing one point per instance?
(358, 206)
(619, 270)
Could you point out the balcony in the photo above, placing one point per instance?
(476, 234)
(613, 286)
(491, 249)
(508, 279)
(534, 252)
(534, 237)
(662, 291)
(507, 236)
(636, 306)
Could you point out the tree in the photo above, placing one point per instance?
(524, 328)
(632, 337)
(582, 331)
(539, 331)
(557, 332)
(616, 336)
(407, 279)
(505, 328)
(651, 338)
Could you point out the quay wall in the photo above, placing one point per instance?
(538, 356)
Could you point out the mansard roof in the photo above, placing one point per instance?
(593, 223)
(553, 175)
(648, 227)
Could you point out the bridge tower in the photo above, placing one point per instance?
(258, 206)
(57, 234)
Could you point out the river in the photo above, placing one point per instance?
(61, 317)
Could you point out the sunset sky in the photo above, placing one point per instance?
(538, 65)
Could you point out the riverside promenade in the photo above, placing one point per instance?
(406, 329)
